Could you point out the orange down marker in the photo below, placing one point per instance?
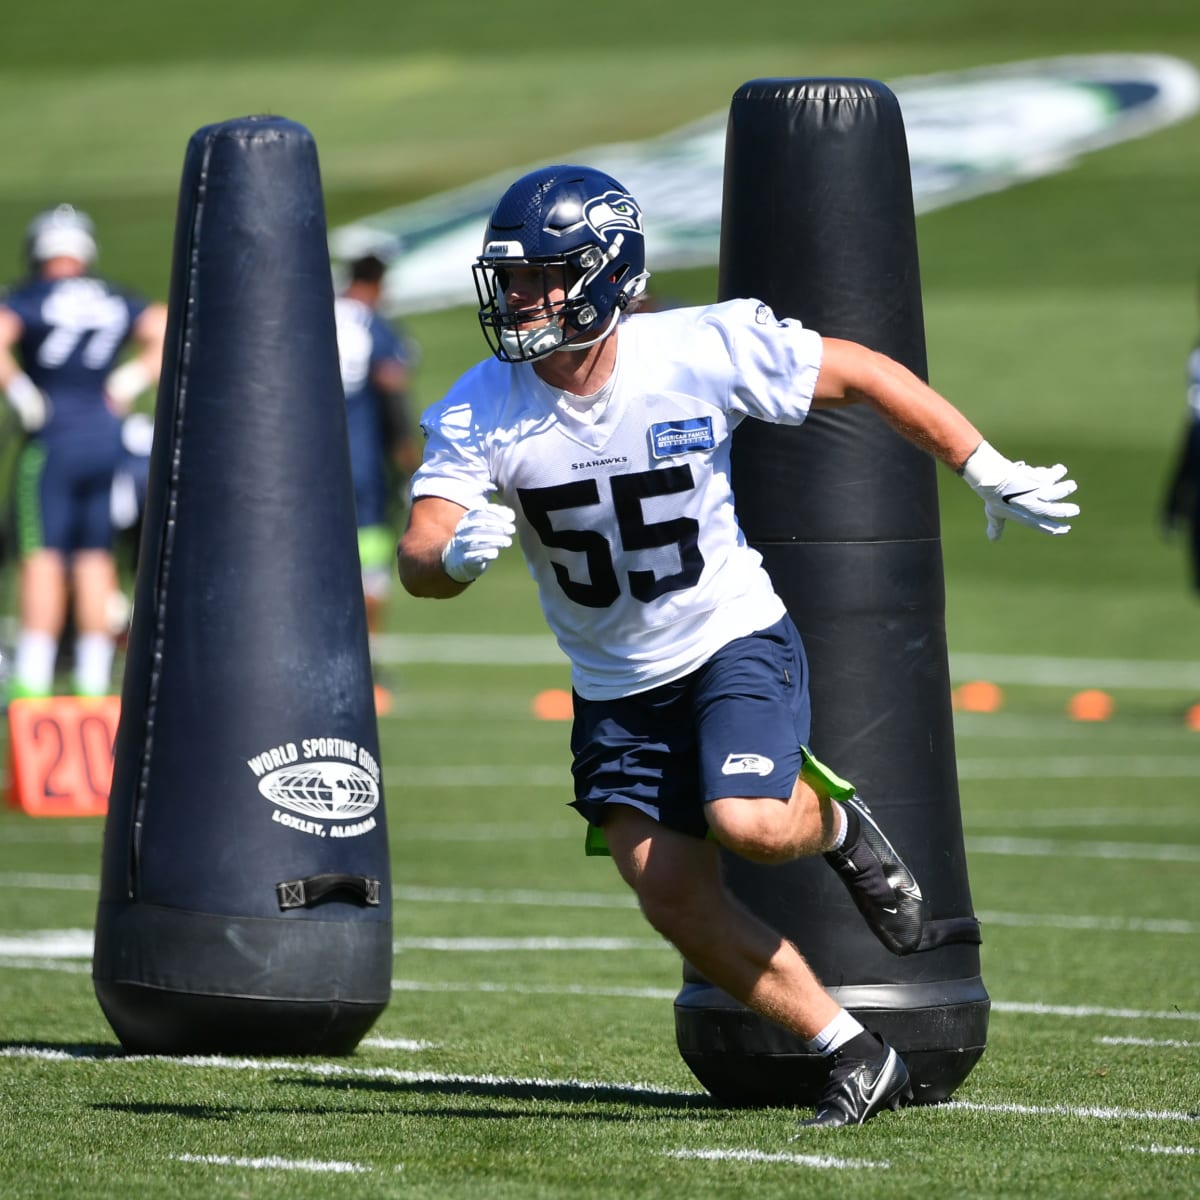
(60, 755)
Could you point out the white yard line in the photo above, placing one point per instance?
(328, 1070)
(1088, 1111)
(1050, 728)
(1083, 766)
(567, 829)
(473, 650)
(273, 1163)
(1083, 816)
(586, 1088)
(46, 964)
(1010, 846)
(539, 649)
(47, 944)
(536, 989)
(407, 1044)
(485, 776)
(45, 947)
(1064, 848)
(1040, 670)
(516, 896)
(1037, 1009)
(46, 882)
(1103, 924)
(1165, 1043)
(508, 945)
(820, 1161)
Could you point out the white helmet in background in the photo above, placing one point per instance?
(62, 232)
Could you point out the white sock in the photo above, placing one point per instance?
(33, 669)
(93, 664)
(839, 838)
(837, 1033)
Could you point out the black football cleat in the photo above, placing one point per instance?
(859, 1088)
(883, 889)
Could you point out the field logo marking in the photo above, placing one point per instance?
(969, 133)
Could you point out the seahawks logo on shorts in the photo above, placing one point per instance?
(747, 764)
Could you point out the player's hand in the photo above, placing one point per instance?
(124, 385)
(1015, 491)
(478, 538)
(29, 402)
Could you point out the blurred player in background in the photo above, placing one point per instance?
(62, 334)
(606, 439)
(1182, 504)
(376, 364)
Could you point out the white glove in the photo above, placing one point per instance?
(125, 384)
(1015, 491)
(478, 538)
(29, 402)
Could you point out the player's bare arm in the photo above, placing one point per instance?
(134, 376)
(851, 373)
(431, 525)
(447, 546)
(1010, 491)
(390, 375)
(27, 400)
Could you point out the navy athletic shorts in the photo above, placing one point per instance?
(733, 727)
(63, 492)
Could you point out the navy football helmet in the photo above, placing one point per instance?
(62, 232)
(583, 231)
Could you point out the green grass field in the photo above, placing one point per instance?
(529, 1050)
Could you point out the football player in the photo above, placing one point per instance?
(1181, 505)
(62, 335)
(604, 436)
(376, 364)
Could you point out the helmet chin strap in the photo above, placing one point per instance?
(614, 317)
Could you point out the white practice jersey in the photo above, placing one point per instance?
(624, 509)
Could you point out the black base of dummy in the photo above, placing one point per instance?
(940, 1030)
(195, 983)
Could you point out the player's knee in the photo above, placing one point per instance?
(762, 829)
(675, 909)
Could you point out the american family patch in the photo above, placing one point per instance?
(680, 437)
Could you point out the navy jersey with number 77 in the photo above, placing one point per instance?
(73, 333)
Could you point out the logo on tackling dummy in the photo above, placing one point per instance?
(325, 780)
(747, 764)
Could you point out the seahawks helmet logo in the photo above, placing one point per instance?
(329, 791)
(612, 212)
